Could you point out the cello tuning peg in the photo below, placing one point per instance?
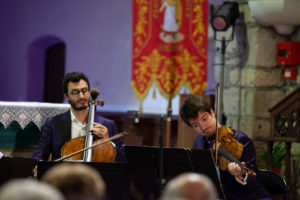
(100, 102)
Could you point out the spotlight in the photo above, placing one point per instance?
(224, 16)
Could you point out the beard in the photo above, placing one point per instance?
(73, 105)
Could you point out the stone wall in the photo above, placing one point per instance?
(253, 83)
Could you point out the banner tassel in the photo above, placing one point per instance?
(154, 94)
(141, 108)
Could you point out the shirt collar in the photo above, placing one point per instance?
(73, 118)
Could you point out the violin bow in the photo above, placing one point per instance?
(217, 118)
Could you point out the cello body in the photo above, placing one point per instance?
(105, 152)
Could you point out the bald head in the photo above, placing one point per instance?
(28, 189)
(190, 186)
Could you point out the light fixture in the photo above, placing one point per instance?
(224, 16)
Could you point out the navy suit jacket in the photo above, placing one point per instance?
(234, 190)
(57, 131)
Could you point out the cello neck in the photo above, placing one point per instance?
(87, 155)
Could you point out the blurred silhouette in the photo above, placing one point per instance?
(189, 186)
(76, 181)
(29, 189)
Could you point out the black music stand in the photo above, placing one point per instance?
(143, 166)
(15, 167)
(203, 163)
(177, 161)
(115, 176)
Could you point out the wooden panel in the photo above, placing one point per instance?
(145, 132)
(285, 118)
(186, 135)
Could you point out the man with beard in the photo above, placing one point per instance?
(73, 123)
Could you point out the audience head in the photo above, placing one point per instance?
(189, 186)
(29, 189)
(76, 181)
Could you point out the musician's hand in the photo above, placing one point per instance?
(99, 130)
(235, 170)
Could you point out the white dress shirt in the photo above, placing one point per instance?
(77, 129)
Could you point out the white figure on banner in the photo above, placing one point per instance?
(171, 21)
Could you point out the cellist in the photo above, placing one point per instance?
(237, 185)
(73, 123)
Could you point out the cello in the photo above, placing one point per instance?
(88, 148)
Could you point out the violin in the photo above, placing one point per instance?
(230, 150)
(85, 147)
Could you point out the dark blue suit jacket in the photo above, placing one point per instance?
(57, 131)
(234, 190)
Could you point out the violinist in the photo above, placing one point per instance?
(237, 185)
(73, 123)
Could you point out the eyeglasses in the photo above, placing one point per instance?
(76, 92)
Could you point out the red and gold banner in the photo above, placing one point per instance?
(169, 46)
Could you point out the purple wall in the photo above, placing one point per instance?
(97, 35)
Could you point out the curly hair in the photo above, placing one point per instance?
(74, 77)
